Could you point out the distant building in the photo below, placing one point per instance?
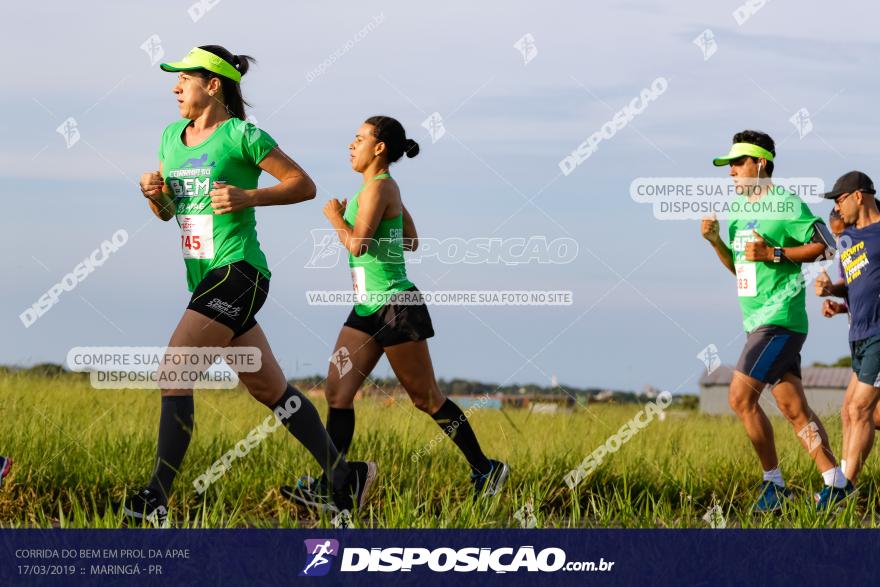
(603, 396)
(823, 386)
(544, 408)
(563, 400)
(650, 392)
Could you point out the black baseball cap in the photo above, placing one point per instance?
(854, 181)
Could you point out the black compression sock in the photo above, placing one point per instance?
(175, 431)
(301, 418)
(456, 425)
(340, 427)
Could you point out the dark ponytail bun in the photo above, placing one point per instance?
(411, 148)
(242, 63)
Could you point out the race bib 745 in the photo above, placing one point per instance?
(197, 236)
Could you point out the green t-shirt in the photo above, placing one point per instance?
(381, 271)
(771, 293)
(231, 154)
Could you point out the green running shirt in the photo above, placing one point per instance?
(231, 154)
(772, 293)
(381, 271)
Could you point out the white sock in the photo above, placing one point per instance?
(843, 466)
(774, 475)
(834, 477)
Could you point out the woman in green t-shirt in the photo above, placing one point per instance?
(389, 315)
(209, 164)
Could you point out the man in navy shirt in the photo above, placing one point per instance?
(859, 247)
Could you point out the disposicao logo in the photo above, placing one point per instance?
(318, 556)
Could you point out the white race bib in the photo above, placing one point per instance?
(358, 281)
(197, 236)
(746, 279)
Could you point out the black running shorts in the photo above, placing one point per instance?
(232, 295)
(395, 323)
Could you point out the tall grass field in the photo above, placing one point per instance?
(77, 450)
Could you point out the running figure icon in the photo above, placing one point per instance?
(319, 552)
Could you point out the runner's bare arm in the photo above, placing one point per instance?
(824, 286)
(711, 232)
(725, 255)
(410, 236)
(831, 308)
(160, 200)
(820, 247)
(294, 185)
(371, 208)
(838, 290)
(807, 253)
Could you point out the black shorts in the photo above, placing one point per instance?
(770, 353)
(232, 295)
(866, 360)
(394, 323)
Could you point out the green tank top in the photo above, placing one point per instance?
(381, 271)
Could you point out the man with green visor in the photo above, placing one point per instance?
(771, 233)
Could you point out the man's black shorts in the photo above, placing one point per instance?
(232, 295)
(394, 323)
(770, 353)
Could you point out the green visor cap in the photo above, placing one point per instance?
(741, 150)
(201, 59)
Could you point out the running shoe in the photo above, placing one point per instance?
(308, 491)
(354, 494)
(5, 465)
(490, 483)
(772, 498)
(146, 506)
(831, 497)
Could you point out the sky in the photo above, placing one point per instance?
(648, 295)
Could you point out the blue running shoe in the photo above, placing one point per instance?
(830, 497)
(492, 482)
(309, 491)
(317, 495)
(772, 498)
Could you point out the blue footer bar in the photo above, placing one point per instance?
(426, 557)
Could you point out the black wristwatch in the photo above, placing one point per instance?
(777, 254)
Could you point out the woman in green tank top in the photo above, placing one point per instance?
(389, 316)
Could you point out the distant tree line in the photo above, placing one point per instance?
(390, 385)
(841, 362)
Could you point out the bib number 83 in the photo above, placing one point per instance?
(746, 280)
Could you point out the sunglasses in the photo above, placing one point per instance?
(841, 198)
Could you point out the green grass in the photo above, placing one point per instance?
(77, 449)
